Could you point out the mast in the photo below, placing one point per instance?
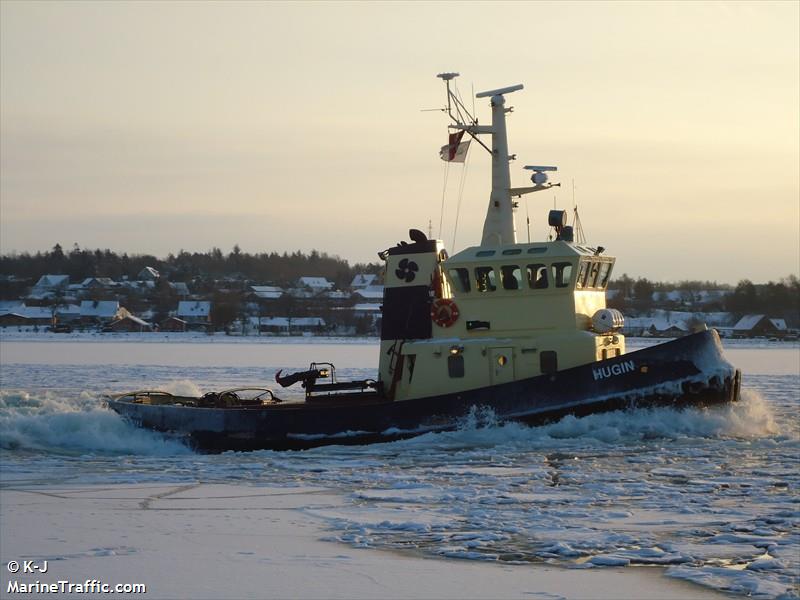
(499, 227)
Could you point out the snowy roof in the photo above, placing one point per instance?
(11, 306)
(293, 322)
(68, 309)
(52, 281)
(316, 282)
(657, 323)
(309, 321)
(747, 322)
(267, 292)
(29, 312)
(371, 292)
(192, 308)
(138, 285)
(35, 312)
(714, 319)
(148, 273)
(367, 307)
(99, 308)
(779, 324)
(173, 319)
(103, 281)
(301, 292)
(336, 295)
(136, 320)
(362, 280)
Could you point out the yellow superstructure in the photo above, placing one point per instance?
(523, 310)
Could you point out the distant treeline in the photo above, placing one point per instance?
(773, 298)
(265, 268)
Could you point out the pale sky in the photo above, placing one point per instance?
(152, 127)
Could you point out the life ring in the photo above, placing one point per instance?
(444, 312)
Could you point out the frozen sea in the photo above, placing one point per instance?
(710, 494)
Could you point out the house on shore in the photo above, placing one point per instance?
(129, 324)
(25, 316)
(370, 293)
(655, 327)
(49, 286)
(362, 280)
(148, 274)
(68, 313)
(173, 324)
(196, 314)
(180, 289)
(310, 287)
(750, 326)
(290, 325)
(101, 312)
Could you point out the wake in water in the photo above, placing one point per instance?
(751, 417)
(53, 422)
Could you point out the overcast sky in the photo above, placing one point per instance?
(152, 127)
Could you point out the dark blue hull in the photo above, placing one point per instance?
(689, 371)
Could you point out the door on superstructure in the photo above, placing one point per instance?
(501, 363)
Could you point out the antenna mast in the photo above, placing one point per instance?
(498, 227)
(576, 219)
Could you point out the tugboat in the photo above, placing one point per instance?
(520, 329)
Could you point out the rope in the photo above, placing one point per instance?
(444, 192)
(460, 196)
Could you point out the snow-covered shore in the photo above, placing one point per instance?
(22, 334)
(233, 541)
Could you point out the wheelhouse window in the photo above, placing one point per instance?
(511, 277)
(485, 280)
(605, 274)
(537, 276)
(594, 274)
(594, 271)
(583, 271)
(562, 274)
(459, 279)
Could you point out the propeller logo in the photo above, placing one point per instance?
(406, 270)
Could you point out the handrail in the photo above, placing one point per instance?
(246, 389)
(143, 392)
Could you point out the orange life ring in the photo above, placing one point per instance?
(444, 312)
